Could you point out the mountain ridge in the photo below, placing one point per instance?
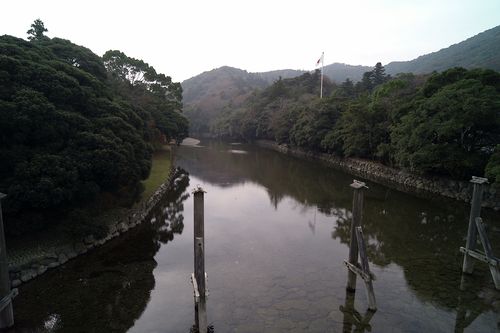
(212, 92)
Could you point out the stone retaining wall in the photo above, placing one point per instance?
(395, 178)
(39, 265)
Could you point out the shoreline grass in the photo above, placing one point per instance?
(160, 169)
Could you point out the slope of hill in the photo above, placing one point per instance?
(225, 88)
(208, 94)
(338, 72)
(482, 50)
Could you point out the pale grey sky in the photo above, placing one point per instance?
(183, 38)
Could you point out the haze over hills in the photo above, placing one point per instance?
(482, 50)
(210, 93)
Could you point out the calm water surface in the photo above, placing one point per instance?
(276, 233)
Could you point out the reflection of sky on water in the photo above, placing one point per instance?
(412, 241)
(277, 233)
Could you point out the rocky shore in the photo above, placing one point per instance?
(394, 178)
(25, 271)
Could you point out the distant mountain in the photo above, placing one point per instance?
(229, 82)
(338, 72)
(482, 50)
(209, 93)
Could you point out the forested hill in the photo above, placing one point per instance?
(77, 130)
(209, 93)
(340, 72)
(445, 124)
(480, 51)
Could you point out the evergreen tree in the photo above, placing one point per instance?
(37, 30)
(347, 88)
(367, 81)
(378, 75)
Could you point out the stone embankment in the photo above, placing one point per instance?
(395, 178)
(25, 271)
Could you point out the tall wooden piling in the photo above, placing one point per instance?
(357, 216)
(370, 294)
(6, 312)
(199, 265)
(200, 313)
(199, 240)
(475, 212)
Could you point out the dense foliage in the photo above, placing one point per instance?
(444, 124)
(73, 131)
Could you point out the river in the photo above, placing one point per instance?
(277, 232)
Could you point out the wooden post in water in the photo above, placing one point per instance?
(357, 216)
(6, 295)
(200, 312)
(199, 266)
(199, 240)
(491, 260)
(198, 278)
(475, 212)
(372, 304)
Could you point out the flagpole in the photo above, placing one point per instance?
(322, 61)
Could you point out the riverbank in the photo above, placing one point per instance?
(394, 178)
(30, 260)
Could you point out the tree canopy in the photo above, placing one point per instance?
(36, 31)
(69, 133)
(444, 124)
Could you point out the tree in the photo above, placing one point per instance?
(366, 83)
(152, 92)
(36, 31)
(378, 75)
(453, 127)
(347, 88)
(66, 140)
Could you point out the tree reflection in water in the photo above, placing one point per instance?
(108, 290)
(420, 235)
(425, 244)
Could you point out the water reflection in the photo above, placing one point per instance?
(109, 289)
(277, 231)
(419, 235)
(353, 320)
(200, 318)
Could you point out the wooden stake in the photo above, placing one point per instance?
(200, 310)
(357, 216)
(199, 241)
(372, 304)
(475, 211)
(199, 266)
(493, 261)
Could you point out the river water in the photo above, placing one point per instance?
(277, 232)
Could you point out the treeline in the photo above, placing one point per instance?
(77, 130)
(445, 124)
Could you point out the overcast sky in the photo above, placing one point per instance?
(183, 38)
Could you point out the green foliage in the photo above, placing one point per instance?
(153, 93)
(69, 135)
(36, 31)
(445, 124)
(453, 128)
(314, 122)
(273, 112)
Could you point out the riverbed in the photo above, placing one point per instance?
(277, 232)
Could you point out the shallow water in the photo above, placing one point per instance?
(276, 235)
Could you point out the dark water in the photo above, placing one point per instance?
(277, 232)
